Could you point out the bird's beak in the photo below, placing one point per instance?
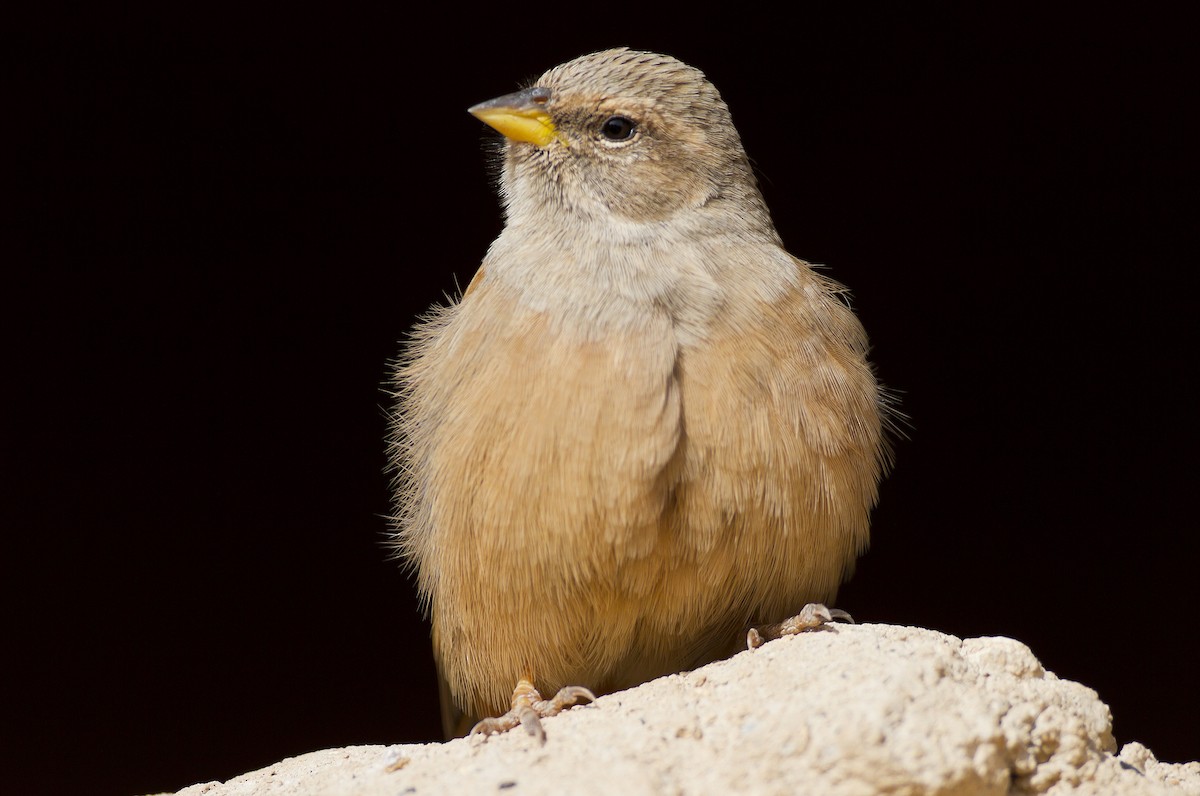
(520, 117)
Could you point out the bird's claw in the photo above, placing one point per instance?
(813, 616)
(528, 709)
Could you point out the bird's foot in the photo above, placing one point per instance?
(813, 616)
(528, 709)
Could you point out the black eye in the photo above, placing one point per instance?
(617, 128)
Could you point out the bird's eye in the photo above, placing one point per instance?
(617, 128)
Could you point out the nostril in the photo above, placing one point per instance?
(540, 95)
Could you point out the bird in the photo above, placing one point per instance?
(644, 427)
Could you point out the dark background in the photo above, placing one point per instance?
(223, 225)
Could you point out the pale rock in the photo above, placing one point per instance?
(856, 709)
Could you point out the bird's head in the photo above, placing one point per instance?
(620, 134)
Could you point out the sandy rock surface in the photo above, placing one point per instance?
(858, 709)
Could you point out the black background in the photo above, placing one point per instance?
(223, 224)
